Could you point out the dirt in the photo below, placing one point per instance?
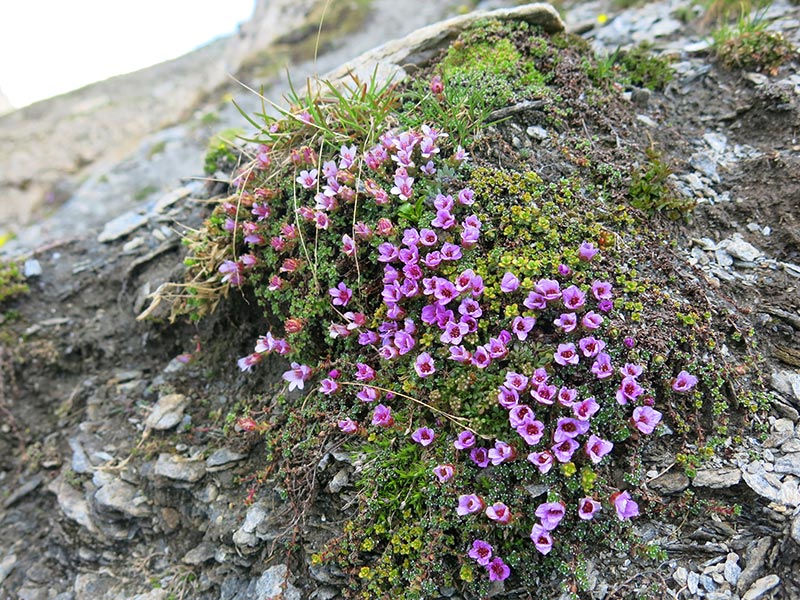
(73, 352)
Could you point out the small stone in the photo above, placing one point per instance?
(179, 468)
(171, 198)
(716, 141)
(273, 583)
(732, 569)
(706, 163)
(670, 483)
(787, 383)
(222, 459)
(156, 594)
(755, 563)
(693, 582)
(339, 481)
(789, 463)
(761, 482)
(708, 583)
(791, 445)
(23, 490)
(121, 226)
(171, 518)
(7, 565)
(537, 132)
(782, 430)
(789, 494)
(723, 258)
(122, 497)
(645, 120)
(717, 478)
(72, 503)
(199, 555)
(796, 528)
(761, 587)
(133, 244)
(742, 250)
(167, 412)
(80, 462)
(32, 268)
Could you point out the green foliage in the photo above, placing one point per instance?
(650, 190)
(637, 66)
(749, 45)
(221, 154)
(12, 281)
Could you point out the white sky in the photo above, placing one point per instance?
(48, 47)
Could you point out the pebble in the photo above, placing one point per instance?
(716, 141)
(167, 412)
(717, 478)
(789, 463)
(222, 459)
(795, 532)
(273, 583)
(80, 462)
(755, 563)
(787, 383)
(339, 481)
(744, 251)
(7, 565)
(670, 483)
(123, 497)
(693, 582)
(32, 268)
(761, 482)
(706, 163)
(179, 468)
(23, 490)
(121, 226)
(204, 552)
(537, 132)
(761, 587)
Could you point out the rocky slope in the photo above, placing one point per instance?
(111, 490)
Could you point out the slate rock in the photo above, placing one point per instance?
(717, 478)
(763, 483)
(672, 482)
(789, 463)
(202, 553)
(273, 583)
(121, 226)
(755, 563)
(222, 459)
(72, 503)
(179, 468)
(732, 570)
(761, 587)
(123, 497)
(787, 383)
(167, 412)
(742, 250)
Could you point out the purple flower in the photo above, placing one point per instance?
(480, 457)
(496, 348)
(539, 377)
(542, 460)
(544, 394)
(626, 508)
(469, 504)
(387, 252)
(585, 409)
(348, 156)
(521, 326)
(631, 370)
(368, 394)
(308, 179)
(519, 414)
(567, 322)
(516, 381)
(684, 382)
(587, 508)
(499, 512)
(564, 270)
(450, 251)
(364, 372)
(605, 305)
(567, 396)
(509, 283)
(507, 397)
(586, 251)
(591, 320)
(628, 390)
(596, 448)
(535, 301)
(328, 386)
(453, 333)
(551, 514)
(246, 363)
(367, 338)
(569, 428)
(602, 366)
(470, 307)
(466, 197)
(297, 376)
(460, 155)
(628, 341)
(602, 290)
(423, 436)
(348, 426)
(481, 358)
(444, 473)
(502, 452)
(465, 439)
(424, 365)
(590, 346)
(542, 539)
(470, 236)
(566, 355)
(231, 271)
(550, 289)
(498, 570)
(460, 354)
(564, 450)
(444, 219)
(532, 432)
(481, 552)
(402, 184)
(645, 419)
(436, 85)
(573, 298)
(404, 342)
(382, 416)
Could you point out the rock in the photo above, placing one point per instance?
(171, 518)
(72, 503)
(790, 463)
(156, 594)
(707, 583)
(723, 258)
(222, 459)
(80, 462)
(693, 582)
(787, 383)
(121, 226)
(755, 563)
(717, 478)
(7, 565)
(706, 163)
(782, 430)
(761, 482)
(23, 490)
(680, 576)
(179, 468)
(167, 200)
(339, 481)
(245, 535)
(732, 569)
(537, 132)
(670, 483)
(744, 251)
(790, 492)
(716, 141)
(273, 583)
(761, 587)
(32, 268)
(123, 497)
(167, 412)
(202, 553)
(91, 586)
(795, 532)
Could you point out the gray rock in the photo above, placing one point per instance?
(7, 565)
(708, 583)
(537, 132)
(72, 503)
(670, 483)
(761, 587)
(782, 430)
(790, 463)
(222, 459)
(92, 586)
(202, 553)
(717, 478)
(761, 482)
(167, 412)
(723, 258)
(744, 251)
(693, 582)
(339, 481)
(755, 563)
(23, 490)
(732, 569)
(156, 594)
(80, 462)
(790, 491)
(274, 583)
(121, 226)
(787, 383)
(245, 535)
(716, 141)
(795, 532)
(123, 497)
(179, 468)
(680, 576)
(706, 163)
(32, 268)
(167, 200)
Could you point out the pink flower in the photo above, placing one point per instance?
(498, 570)
(521, 326)
(466, 197)
(424, 365)
(539, 377)
(564, 450)
(573, 298)
(403, 184)
(567, 322)
(591, 347)
(544, 394)
(436, 85)
(542, 539)
(551, 514)
(465, 439)
(542, 460)
(423, 436)
(480, 457)
(481, 552)
(631, 370)
(502, 452)
(602, 290)
(586, 251)
(348, 156)
(568, 428)
(246, 363)
(308, 179)
(567, 396)
(531, 432)
(645, 419)
(566, 355)
(585, 409)
(684, 382)
(535, 301)
(507, 397)
(460, 354)
(328, 386)
(481, 358)
(596, 448)
(592, 320)
(444, 473)
(519, 414)
(382, 416)
(587, 508)
(469, 504)
(348, 426)
(341, 294)
(499, 512)
(628, 390)
(602, 366)
(626, 508)
(368, 394)
(509, 283)
(297, 377)
(549, 289)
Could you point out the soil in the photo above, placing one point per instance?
(75, 362)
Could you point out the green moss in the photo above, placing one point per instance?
(221, 153)
(12, 281)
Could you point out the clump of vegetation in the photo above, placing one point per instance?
(480, 336)
(12, 281)
(637, 66)
(651, 192)
(222, 153)
(750, 45)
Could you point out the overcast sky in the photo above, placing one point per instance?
(48, 47)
